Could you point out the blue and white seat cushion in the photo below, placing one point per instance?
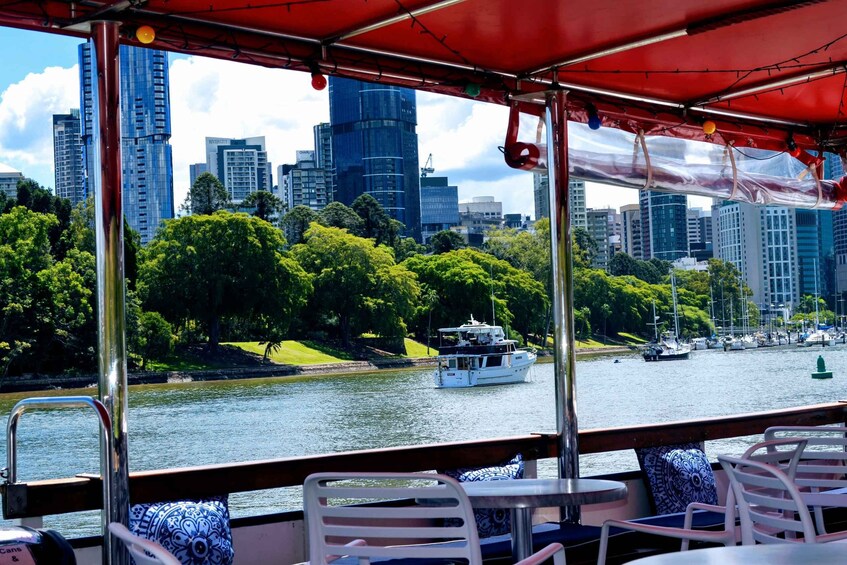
(491, 521)
(677, 475)
(195, 532)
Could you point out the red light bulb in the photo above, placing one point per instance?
(318, 81)
(795, 152)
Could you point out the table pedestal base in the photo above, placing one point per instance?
(521, 533)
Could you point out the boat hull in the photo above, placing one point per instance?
(514, 370)
(666, 356)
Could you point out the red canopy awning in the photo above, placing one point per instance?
(763, 71)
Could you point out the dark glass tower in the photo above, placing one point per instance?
(67, 157)
(375, 147)
(664, 225)
(148, 195)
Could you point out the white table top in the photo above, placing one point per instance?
(777, 554)
(539, 493)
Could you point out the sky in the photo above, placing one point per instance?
(212, 98)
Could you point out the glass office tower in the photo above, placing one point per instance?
(148, 195)
(375, 147)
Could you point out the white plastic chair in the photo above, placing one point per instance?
(142, 550)
(783, 452)
(823, 463)
(344, 517)
(770, 506)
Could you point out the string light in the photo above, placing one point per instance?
(594, 121)
(145, 34)
(472, 89)
(709, 127)
(793, 150)
(318, 81)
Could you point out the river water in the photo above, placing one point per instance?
(190, 424)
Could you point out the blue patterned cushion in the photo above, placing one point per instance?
(196, 532)
(491, 521)
(677, 475)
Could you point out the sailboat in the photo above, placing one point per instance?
(668, 347)
(817, 336)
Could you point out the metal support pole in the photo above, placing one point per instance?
(106, 178)
(563, 313)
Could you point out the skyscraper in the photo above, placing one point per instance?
(576, 200)
(240, 164)
(67, 157)
(631, 231)
(323, 155)
(664, 225)
(439, 206)
(375, 147)
(305, 184)
(147, 162)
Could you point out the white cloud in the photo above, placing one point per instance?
(26, 119)
(212, 98)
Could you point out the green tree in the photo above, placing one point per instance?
(376, 224)
(296, 222)
(155, 337)
(405, 247)
(446, 241)
(337, 215)
(207, 195)
(266, 206)
(224, 265)
(357, 285)
(586, 245)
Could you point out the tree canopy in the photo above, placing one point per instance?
(207, 195)
(357, 284)
(223, 265)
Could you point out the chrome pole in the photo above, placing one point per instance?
(561, 256)
(106, 178)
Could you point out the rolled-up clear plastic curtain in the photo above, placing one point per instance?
(620, 158)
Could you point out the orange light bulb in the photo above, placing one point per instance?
(709, 127)
(145, 34)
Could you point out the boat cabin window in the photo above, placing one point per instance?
(463, 363)
(494, 361)
(452, 363)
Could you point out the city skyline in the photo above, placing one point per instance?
(227, 99)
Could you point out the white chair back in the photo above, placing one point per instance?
(356, 514)
(770, 506)
(142, 550)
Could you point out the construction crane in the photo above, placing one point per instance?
(427, 168)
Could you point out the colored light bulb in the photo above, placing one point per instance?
(318, 81)
(709, 127)
(594, 121)
(472, 89)
(145, 34)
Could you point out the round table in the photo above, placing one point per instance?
(776, 554)
(522, 495)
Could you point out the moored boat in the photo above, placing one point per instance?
(478, 354)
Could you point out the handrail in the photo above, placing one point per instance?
(79, 493)
(10, 473)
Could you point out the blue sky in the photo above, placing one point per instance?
(226, 99)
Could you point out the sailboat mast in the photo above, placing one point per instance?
(815, 268)
(655, 323)
(675, 313)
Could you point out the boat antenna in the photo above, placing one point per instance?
(491, 280)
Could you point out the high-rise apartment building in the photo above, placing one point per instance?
(67, 157)
(834, 170)
(604, 226)
(147, 161)
(240, 164)
(323, 155)
(761, 242)
(305, 184)
(9, 178)
(664, 225)
(375, 147)
(815, 253)
(576, 200)
(631, 231)
(439, 206)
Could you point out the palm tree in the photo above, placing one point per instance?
(266, 205)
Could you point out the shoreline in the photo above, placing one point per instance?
(30, 383)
